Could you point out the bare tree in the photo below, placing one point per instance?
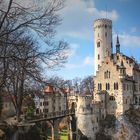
(21, 56)
(87, 85)
(36, 21)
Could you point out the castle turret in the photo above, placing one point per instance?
(117, 45)
(102, 41)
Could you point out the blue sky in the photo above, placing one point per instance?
(77, 29)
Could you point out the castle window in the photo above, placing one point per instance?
(99, 86)
(136, 100)
(105, 75)
(117, 57)
(116, 86)
(108, 74)
(98, 44)
(97, 119)
(98, 66)
(107, 86)
(105, 34)
(105, 26)
(112, 98)
(98, 57)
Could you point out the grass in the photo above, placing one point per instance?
(63, 134)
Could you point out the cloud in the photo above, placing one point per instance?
(71, 51)
(128, 40)
(78, 17)
(113, 15)
(133, 29)
(89, 61)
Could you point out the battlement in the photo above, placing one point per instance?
(106, 23)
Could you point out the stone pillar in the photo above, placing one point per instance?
(72, 128)
(54, 125)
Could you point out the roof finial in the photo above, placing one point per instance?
(117, 45)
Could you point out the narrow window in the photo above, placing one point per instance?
(98, 57)
(98, 44)
(109, 75)
(98, 66)
(105, 34)
(117, 86)
(106, 86)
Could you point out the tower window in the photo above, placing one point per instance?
(98, 57)
(107, 86)
(98, 66)
(105, 26)
(98, 44)
(105, 34)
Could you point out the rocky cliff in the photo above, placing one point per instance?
(123, 127)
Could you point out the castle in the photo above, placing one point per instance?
(116, 82)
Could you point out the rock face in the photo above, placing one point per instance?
(123, 127)
(85, 116)
(84, 123)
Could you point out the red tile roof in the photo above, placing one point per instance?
(48, 89)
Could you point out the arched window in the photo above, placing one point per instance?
(98, 66)
(98, 57)
(114, 86)
(105, 34)
(105, 75)
(98, 44)
(109, 74)
(100, 86)
(117, 86)
(106, 86)
(112, 98)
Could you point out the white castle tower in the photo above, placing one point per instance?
(102, 41)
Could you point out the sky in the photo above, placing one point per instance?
(77, 29)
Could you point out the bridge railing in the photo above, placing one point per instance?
(51, 115)
(58, 113)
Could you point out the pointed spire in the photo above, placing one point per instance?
(117, 45)
(117, 40)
